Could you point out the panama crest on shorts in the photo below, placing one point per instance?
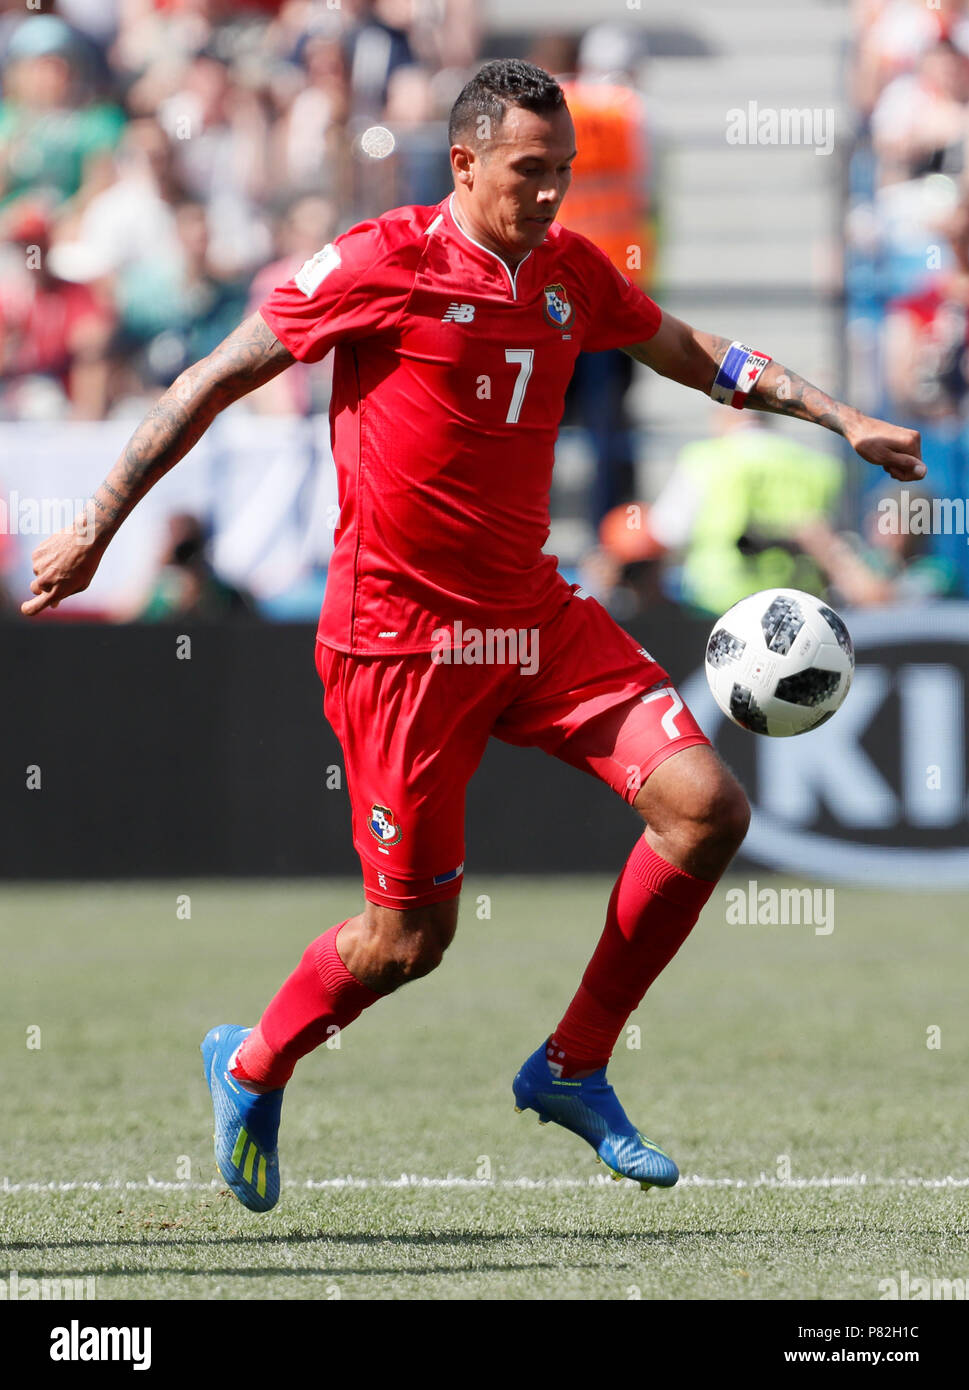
(557, 306)
(383, 825)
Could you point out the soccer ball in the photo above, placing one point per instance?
(780, 662)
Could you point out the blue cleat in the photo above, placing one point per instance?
(246, 1125)
(589, 1108)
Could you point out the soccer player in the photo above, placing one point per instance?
(455, 330)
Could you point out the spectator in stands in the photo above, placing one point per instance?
(179, 309)
(54, 333)
(97, 20)
(154, 41)
(893, 35)
(733, 505)
(133, 219)
(307, 227)
(926, 364)
(750, 510)
(377, 44)
(421, 164)
(310, 141)
(626, 569)
(447, 36)
(220, 135)
(187, 586)
(879, 565)
(919, 124)
(50, 128)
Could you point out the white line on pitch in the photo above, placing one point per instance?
(413, 1180)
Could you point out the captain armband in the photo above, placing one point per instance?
(738, 374)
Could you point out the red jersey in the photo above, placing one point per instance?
(449, 379)
(42, 320)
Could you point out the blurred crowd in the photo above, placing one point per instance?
(746, 508)
(907, 258)
(165, 163)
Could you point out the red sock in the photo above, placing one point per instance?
(319, 997)
(653, 908)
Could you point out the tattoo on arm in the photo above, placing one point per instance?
(693, 358)
(782, 392)
(107, 489)
(717, 348)
(247, 358)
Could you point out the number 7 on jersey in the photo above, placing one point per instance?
(524, 358)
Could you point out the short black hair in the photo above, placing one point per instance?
(499, 84)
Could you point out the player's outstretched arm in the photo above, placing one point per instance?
(686, 355)
(65, 563)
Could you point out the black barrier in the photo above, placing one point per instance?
(129, 753)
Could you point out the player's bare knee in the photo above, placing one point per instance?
(416, 959)
(700, 817)
(409, 943)
(714, 805)
(425, 937)
(726, 818)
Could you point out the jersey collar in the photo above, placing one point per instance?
(510, 275)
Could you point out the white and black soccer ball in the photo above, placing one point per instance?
(780, 662)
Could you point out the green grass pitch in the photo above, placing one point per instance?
(821, 1137)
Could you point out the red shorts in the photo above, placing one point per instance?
(413, 730)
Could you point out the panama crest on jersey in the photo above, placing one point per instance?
(383, 825)
(557, 306)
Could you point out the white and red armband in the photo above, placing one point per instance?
(738, 374)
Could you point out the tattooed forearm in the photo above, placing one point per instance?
(716, 348)
(782, 392)
(684, 354)
(106, 491)
(246, 359)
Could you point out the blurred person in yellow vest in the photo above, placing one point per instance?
(609, 202)
(750, 509)
(746, 509)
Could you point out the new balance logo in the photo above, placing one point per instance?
(458, 313)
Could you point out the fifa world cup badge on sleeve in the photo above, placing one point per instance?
(313, 272)
(738, 374)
